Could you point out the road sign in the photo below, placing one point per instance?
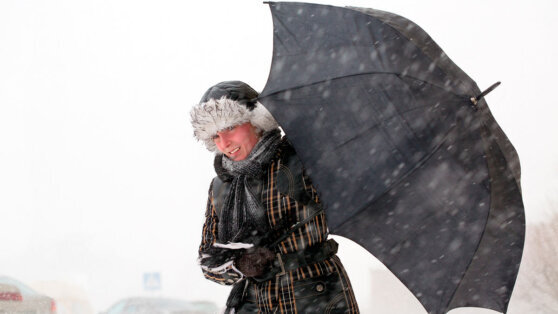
(152, 281)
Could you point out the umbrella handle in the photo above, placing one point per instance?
(476, 99)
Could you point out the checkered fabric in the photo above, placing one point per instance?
(279, 294)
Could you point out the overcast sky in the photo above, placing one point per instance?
(100, 178)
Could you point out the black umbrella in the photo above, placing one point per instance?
(402, 147)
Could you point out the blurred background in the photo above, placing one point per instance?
(103, 188)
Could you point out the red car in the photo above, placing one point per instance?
(15, 297)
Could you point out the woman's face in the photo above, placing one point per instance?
(237, 142)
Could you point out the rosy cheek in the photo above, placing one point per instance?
(218, 144)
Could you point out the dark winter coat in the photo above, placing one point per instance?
(287, 198)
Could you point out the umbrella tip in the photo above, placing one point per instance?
(475, 99)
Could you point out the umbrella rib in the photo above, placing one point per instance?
(405, 122)
(263, 94)
(411, 171)
(287, 30)
(377, 125)
(432, 48)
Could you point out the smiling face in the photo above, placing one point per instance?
(237, 142)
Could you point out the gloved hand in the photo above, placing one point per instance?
(216, 256)
(255, 261)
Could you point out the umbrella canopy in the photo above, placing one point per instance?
(407, 164)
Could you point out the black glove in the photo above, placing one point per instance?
(255, 261)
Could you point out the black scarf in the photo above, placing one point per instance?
(243, 219)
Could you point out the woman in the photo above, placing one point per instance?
(265, 231)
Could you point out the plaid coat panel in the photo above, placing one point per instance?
(277, 294)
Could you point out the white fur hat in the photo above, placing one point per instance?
(225, 105)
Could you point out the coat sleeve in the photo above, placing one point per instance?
(216, 260)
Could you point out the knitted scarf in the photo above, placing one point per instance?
(243, 219)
